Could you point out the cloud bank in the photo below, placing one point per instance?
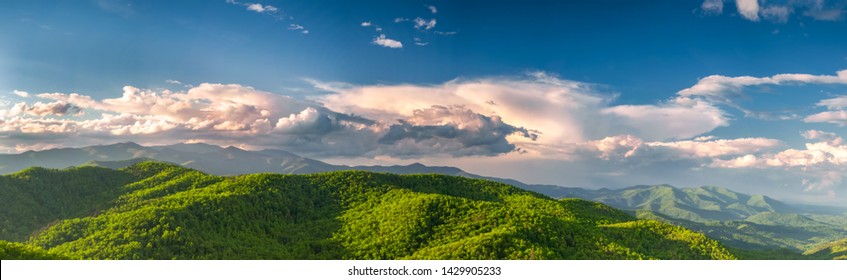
(537, 116)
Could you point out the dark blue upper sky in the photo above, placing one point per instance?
(646, 49)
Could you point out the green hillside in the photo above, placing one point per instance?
(836, 250)
(161, 211)
(18, 251)
(758, 226)
(699, 204)
(35, 197)
(760, 233)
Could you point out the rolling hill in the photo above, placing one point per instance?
(154, 210)
(752, 222)
(836, 250)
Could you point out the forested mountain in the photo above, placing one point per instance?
(752, 222)
(154, 210)
(836, 250)
(208, 158)
(699, 204)
(738, 220)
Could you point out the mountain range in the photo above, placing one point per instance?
(754, 222)
(155, 210)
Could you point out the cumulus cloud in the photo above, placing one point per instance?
(223, 114)
(432, 9)
(748, 9)
(400, 19)
(630, 147)
(366, 24)
(452, 129)
(562, 111)
(259, 8)
(821, 164)
(58, 108)
(381, 40)
(836, 114)
(425, 24)
(831, 153)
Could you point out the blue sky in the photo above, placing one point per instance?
(577, 93)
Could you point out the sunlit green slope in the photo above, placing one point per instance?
(161, 211)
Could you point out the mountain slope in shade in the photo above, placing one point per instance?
(167, 211)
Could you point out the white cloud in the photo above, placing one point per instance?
(709, 148)
(748, 9)
(712, 7)
(723, 89)
(21, 93)
(425, 24)
(226, 114)
(58, 108)
(420, 42)
(173, 82)
(400, 19)
(779, 11)
(776, 13)
(635, 149)
(386, 42)
(834, 103)
(259, 8)
(679, 118)
(366, 24)
(817, 134)
(563, 112)
(433, 9)
(827, 153)
(836, 115)
(718, 87)
(298, 27)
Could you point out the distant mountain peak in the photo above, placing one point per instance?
(233, 149)
(128, 144)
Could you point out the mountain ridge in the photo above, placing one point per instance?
(164, 211)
